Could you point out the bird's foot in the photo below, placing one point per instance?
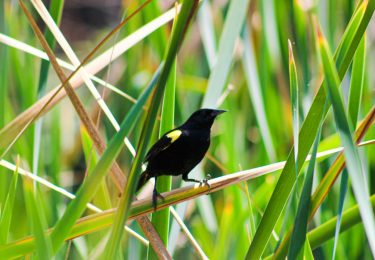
(155, 195)
(201, 182)
(205, 181)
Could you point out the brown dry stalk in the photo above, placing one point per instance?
(118, 176)
(116, 173)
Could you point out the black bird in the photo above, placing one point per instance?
(178, 151)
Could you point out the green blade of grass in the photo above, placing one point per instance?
(188, 9)
(35, 213)
(7, 210)
(56, 7)
(343, 190)
(206, 27)
(232, 28)
(356, 83)
(300, 33)
(355, 94)
(102, 197)
(351, 154)
(326, 231)
(161, 219)
(255, 93)
(3, 71)
(308, 255)
(293, 84)
(344, 54)
(298, 239)
(3, 91)
(207, 32)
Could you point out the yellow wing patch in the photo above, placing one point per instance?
(174, 135)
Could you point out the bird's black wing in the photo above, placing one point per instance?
(163, 143)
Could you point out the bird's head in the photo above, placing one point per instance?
(203, 118)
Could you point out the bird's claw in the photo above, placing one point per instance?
(205, 182)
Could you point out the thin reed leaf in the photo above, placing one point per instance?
(7, 209)
(255, 93)
(56, 7)
(357, 82)
(355, 94)
(353, 162)
(160, 219)
(35, 213)
(102, 196)
(4, 70)
(298, 239)
(233, 24)
(343, 56)
(326, 231)
(293, 85)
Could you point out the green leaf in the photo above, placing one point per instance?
(293, 85)
(233, 24)
(356, 83)
(298, 239)
(326, 231)
(308, 255)
(343, 190)
(280, 195)
(255, 93)
(7, 210)
(4, 70)
(353, 163)
(56, 7)
(160, 219)
(206, 28)
(355, 94)
(35, 212)
(102, 196)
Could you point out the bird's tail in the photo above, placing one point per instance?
(145, 176)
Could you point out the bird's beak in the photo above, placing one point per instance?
(218, 112)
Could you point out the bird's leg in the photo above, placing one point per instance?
(155, 195)
(205, 181)
(201, 182)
